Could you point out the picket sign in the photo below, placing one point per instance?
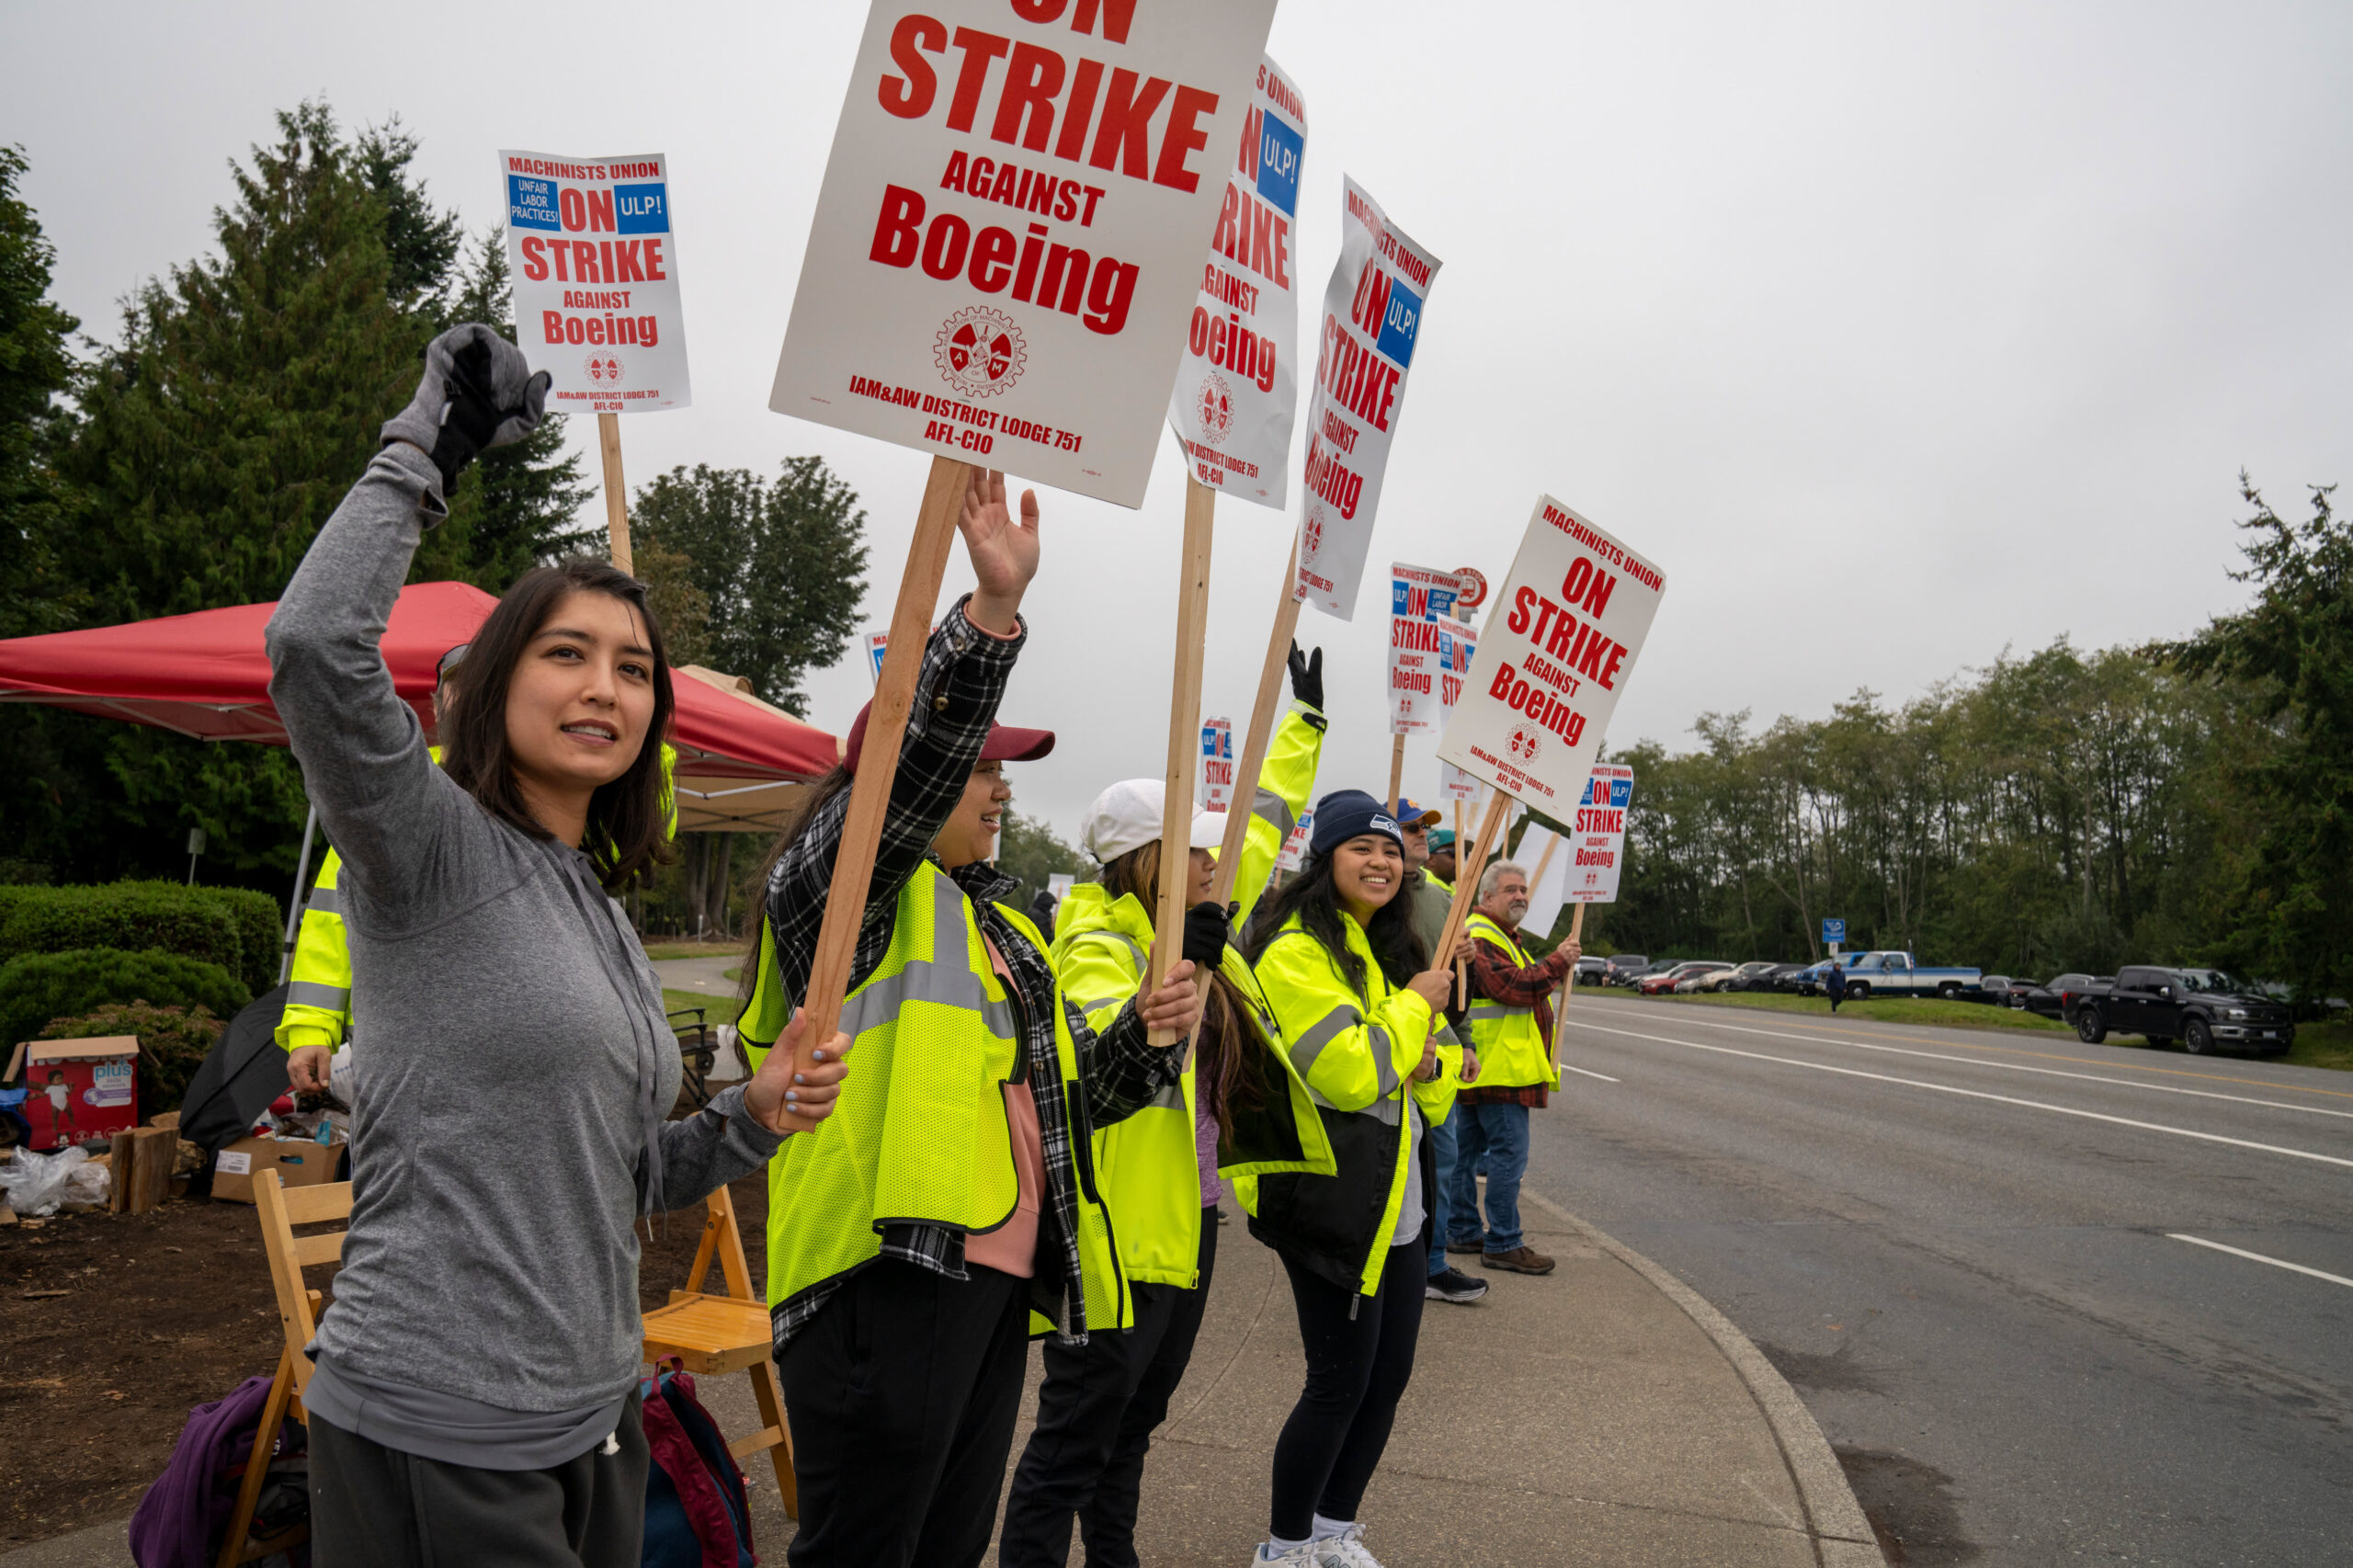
(595, 274)
(1001, 265)
(1600, 851)
(1217, 764)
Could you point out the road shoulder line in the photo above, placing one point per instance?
(1842, 1536)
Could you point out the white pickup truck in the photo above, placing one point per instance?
(1897, 974)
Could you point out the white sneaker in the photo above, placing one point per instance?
(1347, 1549)
(1307, 1555)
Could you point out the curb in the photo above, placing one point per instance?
(1842, 1537)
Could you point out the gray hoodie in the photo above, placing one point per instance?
(517, 1064)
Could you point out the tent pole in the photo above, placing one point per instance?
(294, 905)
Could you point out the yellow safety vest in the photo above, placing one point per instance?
(1511, 1048)
(318, 995)
(919, 1134)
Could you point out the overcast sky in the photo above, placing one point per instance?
(1896, 334)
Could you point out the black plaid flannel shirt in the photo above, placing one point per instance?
(957, 692)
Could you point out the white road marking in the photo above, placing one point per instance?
(2021, 1067)
(1982, 1094)
(2259, 1257)
(1603, 1076)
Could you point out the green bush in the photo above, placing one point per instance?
(173, 1043)
(234, 928)
(38, 987)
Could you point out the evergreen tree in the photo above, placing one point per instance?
(36, 366)
(781, 565)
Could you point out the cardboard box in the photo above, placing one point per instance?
(77, 1089)
(299, 1162)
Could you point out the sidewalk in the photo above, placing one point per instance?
(1635, 1427)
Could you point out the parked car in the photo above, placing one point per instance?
(2203, 1008)
(2068, 991)
(1592, 970)
(1806, 979)
(1666, 976)
(1899, 974)
(1701, 977)
(1762, 977)
(1622, 966)
(1738, 978)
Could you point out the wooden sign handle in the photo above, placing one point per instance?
(1560, 1008)
(1259, 735)
(1396, 771)
(886, 727)
(1184, 740)
(1462, 970)
(1467, 872)
(609, 439)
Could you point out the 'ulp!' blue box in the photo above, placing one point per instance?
(1280, 151)
(530, 203)
(641, 208)
(1400, 325)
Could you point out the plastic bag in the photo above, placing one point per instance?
(39, 1185)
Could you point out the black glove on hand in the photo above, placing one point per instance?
(1205, 934)
(478, 392)
(1307, 677)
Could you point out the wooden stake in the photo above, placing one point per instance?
(1463, 967)
(1468, 871)
(1255, 739)
(609, 437)
(886, 726)
(1560, 1008)
(1184, 740)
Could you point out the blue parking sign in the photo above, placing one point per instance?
(1833, 931)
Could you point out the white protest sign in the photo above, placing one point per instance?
(1294, 849)
(877, 645)
(1217, 764)
(1059, 883)
(1008, 241)
(1555, 656)
(1421, 646)
(1372, 317)
(1600, 842)
(1236, 386)
(595, 267)
(1453, 784)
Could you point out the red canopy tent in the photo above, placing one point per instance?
(207, 676)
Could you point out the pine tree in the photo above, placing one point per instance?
(36, 366)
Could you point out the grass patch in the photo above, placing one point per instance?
(657, 951)
(719, 1009)
(1881, 1009)
(2322, 1045)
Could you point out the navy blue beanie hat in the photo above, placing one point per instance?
(1345, 814)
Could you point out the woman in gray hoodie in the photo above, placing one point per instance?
(474, 1392)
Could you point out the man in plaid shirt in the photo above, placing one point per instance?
(1510, 1023)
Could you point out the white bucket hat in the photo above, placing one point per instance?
(1127, 816)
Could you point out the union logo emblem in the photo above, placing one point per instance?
(1311, 531)
(604, 368)
(1524, 743)
(1213, 405)
(980, 351)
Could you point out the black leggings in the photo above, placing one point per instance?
(1357, 1370)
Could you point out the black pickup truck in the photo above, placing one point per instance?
(2206, 1009)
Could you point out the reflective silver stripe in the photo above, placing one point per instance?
(327, 998)
(1309, 1046)
(1170, 1097)
(1482, 1011)
(325, 900)
(1097, 1012)
(1135, 953)
(1385, 1068)
(1268, 806)
(951, 984)
(1389, 1112)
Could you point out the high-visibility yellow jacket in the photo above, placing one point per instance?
(919, 1134)
(318, 996)
(1358, 1048)
(1511, 1048)
(1146, 1165)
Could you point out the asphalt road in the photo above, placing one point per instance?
(1963, 1248)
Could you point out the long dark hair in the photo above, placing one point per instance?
(797, 819)
(1312, 896)
(629, 829)
(1230, 1043)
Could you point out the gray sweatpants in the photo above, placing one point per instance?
(376, 1507)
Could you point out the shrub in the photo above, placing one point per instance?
(173, 1043)
(38, 987)
(234, 928)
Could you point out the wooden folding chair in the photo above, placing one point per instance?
(282, 1209)
(711, 1333)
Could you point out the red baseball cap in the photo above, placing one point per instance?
(1005, 744)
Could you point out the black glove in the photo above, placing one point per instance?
(1307, 677)
(1206, 933)
(477, 392)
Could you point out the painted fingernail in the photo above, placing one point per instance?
(799, 1077)
(821, 1056)
(792, 1095)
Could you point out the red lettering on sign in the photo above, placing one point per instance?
(910, 97)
